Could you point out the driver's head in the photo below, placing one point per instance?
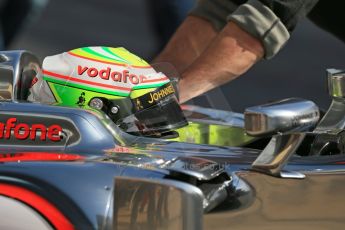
(112, 80)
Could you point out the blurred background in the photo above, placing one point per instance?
(58, 26)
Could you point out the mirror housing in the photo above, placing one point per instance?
(18, 68)
(285, 116)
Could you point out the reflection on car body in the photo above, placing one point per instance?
(288, 174)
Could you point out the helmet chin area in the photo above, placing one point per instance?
(157, 121)
(154, 114)
(157, 113)
(163, 117)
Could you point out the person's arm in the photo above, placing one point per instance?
(231, 54)
(256, 29)
(189, 41)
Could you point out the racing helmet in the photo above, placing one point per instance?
(132, 93)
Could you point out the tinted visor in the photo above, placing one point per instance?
(157, 111)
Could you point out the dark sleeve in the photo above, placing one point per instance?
(270, 21)
(290, 11)
(215, 11)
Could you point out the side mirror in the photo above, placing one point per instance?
(287, 121)
(336, 83)
(334, 118)
(330, 129)
(285, 116)
(17, 69)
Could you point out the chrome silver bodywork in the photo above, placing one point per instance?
(171, 204)
(132, 182)
(313, 203)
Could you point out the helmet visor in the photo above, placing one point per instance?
(155, 112)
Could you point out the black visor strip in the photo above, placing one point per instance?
(153, 98)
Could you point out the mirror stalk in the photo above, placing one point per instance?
(277, 153)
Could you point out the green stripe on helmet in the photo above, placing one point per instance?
(108, 50)
(149, 86)
(94, 89)
(90, 51)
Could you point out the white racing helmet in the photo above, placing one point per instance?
(132, 93)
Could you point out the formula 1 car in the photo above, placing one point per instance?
(277, 166)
